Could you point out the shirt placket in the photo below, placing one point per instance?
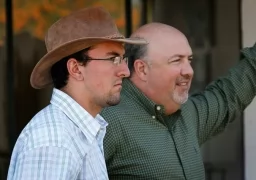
(178, 139)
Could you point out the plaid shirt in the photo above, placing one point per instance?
(63, 141)
(142, 143)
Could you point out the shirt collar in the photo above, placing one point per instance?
(89, 125)
(155, 110)
(135, 94)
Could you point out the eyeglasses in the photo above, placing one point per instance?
(117, 60)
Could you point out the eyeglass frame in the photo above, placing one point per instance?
(113, 59)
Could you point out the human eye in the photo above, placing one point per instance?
(112, 58)
(117, 60)
(190, 59)
(174, 60)
(125, 59)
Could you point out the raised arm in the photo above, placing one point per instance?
(226, 97)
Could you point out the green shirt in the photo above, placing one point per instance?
(142, 143)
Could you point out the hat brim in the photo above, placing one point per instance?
(41, 76)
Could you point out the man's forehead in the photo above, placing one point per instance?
(108, 49)
(170, 45)
(165, 52)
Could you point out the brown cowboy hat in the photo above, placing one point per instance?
(75, 32)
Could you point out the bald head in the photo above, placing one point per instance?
(163, 41)
(155, 30)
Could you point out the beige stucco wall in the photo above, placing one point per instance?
(248, 39)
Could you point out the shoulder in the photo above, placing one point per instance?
(50, 128)
(119, 111)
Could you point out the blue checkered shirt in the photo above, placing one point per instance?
(63, 141)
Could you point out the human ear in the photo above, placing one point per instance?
(74, 69)
(141, 69)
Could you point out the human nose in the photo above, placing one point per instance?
(124, 70)
(187, 69)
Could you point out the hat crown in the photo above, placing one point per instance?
(85, 23)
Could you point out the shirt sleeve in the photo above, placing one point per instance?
(226, 98)
(51, 163)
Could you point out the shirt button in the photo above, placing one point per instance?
(158, 108)
(154, 117)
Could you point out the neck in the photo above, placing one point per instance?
(83, 99)
(171, 108)
(169, 105)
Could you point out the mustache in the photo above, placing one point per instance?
(185, 78)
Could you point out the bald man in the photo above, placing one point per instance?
(156, 131)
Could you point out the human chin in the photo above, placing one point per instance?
(113, 99)
(180, 98)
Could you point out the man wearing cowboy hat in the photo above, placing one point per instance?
(85, 64)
